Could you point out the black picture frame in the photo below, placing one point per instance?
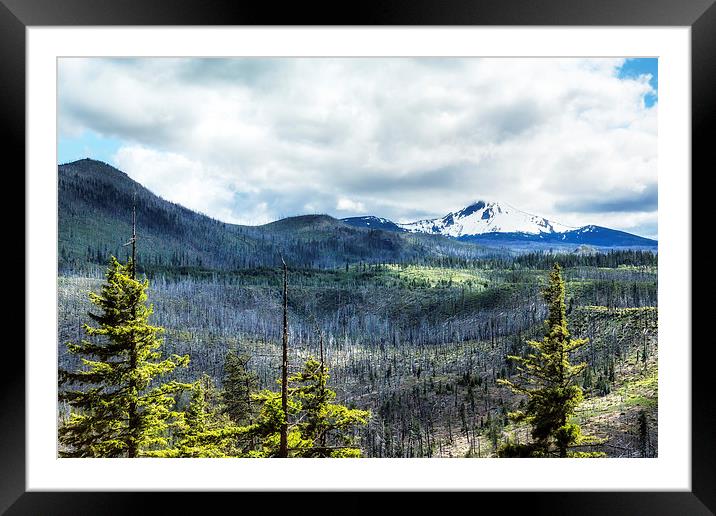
(699, 15)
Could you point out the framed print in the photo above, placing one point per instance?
(419, 250)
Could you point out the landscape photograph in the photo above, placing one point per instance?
(406, 257)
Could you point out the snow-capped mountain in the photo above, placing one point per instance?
(486, 217)
(493, 223)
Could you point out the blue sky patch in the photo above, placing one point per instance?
(88, 144)
(634, 67)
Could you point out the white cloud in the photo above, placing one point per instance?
(344, 204)
(252, 139)
(178, 179)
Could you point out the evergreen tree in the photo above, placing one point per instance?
(546, 377)
(239, 384)
(206, 430)
(119, 408)
(327, 425)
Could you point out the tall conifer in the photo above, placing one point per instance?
(118, 406)
(239, 384)
(546, 377)
(327, 425)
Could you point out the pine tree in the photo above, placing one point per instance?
(546, 377)
(239, 384)
(119, 408)
(327, 425)
(206, 430)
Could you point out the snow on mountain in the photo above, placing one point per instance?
(486, 217)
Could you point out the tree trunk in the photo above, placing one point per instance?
(134, 241)
(133, 422)
(283, 445)
(322, 439)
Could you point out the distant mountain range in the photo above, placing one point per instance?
(501, 224)
(95, 203)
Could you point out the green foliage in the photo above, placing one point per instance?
(327, 425)
(585, 455)
(206, 430)
(239, 384)
(266, 428)
(547, 378)
(320, 427)
(511, 449)
(119, 408)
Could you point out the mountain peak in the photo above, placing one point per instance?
(486, 217)
(86, 161)
(471, 208)
(89, 166)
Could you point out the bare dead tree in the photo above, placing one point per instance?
(133, 240)
(283, 445)
(132, 412)
(322, 440)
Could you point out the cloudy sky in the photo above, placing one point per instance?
(252, 140)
